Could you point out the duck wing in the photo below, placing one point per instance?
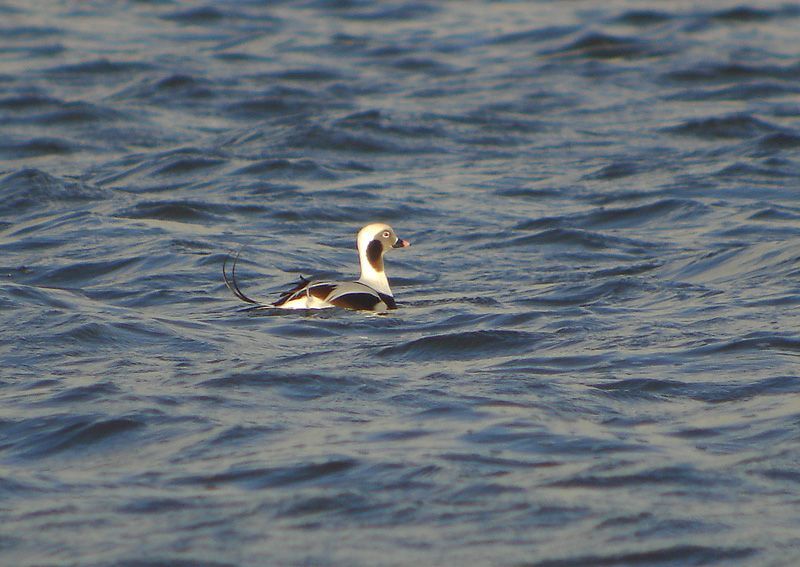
(302, 288)
(347, 295)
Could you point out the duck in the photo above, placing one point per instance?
(371, 292)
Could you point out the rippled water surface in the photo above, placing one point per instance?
(596, 360)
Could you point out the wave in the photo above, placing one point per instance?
(201, 15)
(370, 11)
(304, 386)
(662, 211)
(571, 237)
(98, 69)
(748, 14)
(289, 169)
(736, 262)
(606, 46)
(739, 125)
(719, 72)
(643, 18)
(281, 102)
(618, 289)
(675, 554)
(37, 147)
(654, 389)
(273, 477)
(31, 188)
(177, 164)
(45, 437)
(463, 345)
(179, 211)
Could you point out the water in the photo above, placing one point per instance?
(595, 360)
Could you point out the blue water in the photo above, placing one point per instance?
(596, 359)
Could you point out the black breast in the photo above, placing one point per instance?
(388, 300)
(360, 301)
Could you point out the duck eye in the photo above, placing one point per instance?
(386, 234)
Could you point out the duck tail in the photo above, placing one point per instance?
(232, 284)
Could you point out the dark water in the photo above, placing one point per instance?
(596, 360)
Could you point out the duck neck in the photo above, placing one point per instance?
(374, 278)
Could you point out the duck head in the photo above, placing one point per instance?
(375, 240)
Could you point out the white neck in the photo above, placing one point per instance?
(371, 277)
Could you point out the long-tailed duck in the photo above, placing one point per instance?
(370, 293)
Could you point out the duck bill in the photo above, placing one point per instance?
(401, 243)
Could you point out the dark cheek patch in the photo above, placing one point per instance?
(375, 255)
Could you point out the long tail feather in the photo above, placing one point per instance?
(232, 283)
